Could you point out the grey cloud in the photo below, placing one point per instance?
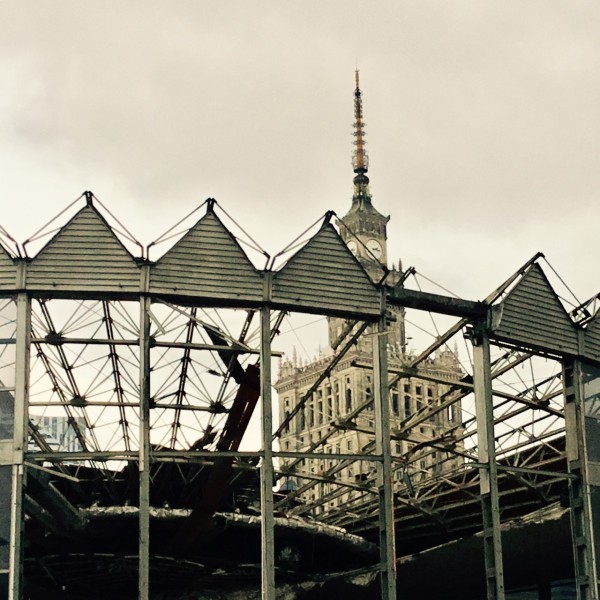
(482, 119)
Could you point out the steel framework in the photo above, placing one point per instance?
(157, 366)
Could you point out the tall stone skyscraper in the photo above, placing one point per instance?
(338, 417)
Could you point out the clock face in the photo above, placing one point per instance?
(374, 248)
(352, 246)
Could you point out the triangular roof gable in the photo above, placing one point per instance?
(8, 270)
(533, 315)
(85, 254)
(592, 338)
(75, 234)
(209, 262)
(325, 274)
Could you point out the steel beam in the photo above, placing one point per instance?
(144, 452)
(488, 472)
(383, 448)
(20, 433)
(445, 305)
(266, 470)
(584, 488)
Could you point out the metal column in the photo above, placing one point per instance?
(20, 434)
(387, 539)
(488, 471)
(266, 470)
(586, 487)
(144, 452)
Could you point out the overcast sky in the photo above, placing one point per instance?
(482, 122)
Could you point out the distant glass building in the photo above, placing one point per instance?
(58, 433)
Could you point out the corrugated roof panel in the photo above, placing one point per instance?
(207, 262)
(8, 271)
(84, 256)
(533, 315)
(325, 275)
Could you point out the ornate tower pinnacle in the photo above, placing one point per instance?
(360, 160)
(363, 221)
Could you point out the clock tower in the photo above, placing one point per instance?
(364, 229)
(336, 414)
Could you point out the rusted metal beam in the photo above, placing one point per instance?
(237, 422)
(446, 305)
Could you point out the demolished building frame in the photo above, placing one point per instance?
(86, 261)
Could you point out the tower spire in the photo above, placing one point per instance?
(363, 222)
(360, 160)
